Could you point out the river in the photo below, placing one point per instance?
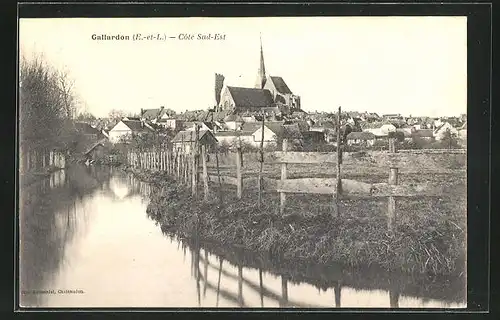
(87, 241)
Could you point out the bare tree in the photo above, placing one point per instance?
(47, 103)
(67, 94)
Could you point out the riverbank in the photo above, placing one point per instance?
(429, 237)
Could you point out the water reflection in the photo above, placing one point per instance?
(242, 283)
(87, 229)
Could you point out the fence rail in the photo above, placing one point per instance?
(187, 168)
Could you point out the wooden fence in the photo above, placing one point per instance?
(186, 167)
(38, 159)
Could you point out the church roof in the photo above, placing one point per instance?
(250, 97)
(280, 85)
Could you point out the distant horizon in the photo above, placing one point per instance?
(408, 65)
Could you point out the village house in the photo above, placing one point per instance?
(96, 152)
(370, 117)
(273, 131)
(425, 134)
(88, 131)
(171, 123)
(361, 138)
(248, 118)
(152, 115)
(462, 131)
(313, 137)
(436, 123)
(462, 135)
(392, 116)
(125, 128)
(325, 127)
(407, 132)
(233, 122)
(183, 141)
(377, 132)
(203, 125)
(293, 133)
(439, 132)
(232, 137)
(386, 128)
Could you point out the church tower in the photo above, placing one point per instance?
(261, 74)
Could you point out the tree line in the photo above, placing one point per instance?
(47, 102)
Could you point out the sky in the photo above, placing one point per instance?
(408, 65)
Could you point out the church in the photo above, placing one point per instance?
(270, 95)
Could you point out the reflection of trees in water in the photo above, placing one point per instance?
(446, 290)
(49, 220)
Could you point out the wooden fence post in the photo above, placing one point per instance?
(240, 285)
(159, 160)
(284, 291)
(168, 159)
(261, 162)
(163, 161)
(171, 161)
(239, 180)
(205, 172)
(394, 298)
(393, 180)
(283, 177)
(183, 168)
(338, 190)
(194, 174)
(337, 291)
(179, 171)
(186, 168)
(166, 162)
(221, 201)
(43, 158)
(155, 159)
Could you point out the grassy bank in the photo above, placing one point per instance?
(429, 237)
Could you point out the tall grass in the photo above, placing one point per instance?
(429, 237)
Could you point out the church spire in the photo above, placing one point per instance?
(261, 75)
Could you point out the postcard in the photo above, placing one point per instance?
(272, 162)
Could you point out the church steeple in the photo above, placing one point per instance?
(261, 74)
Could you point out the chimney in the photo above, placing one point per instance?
(219, 83)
